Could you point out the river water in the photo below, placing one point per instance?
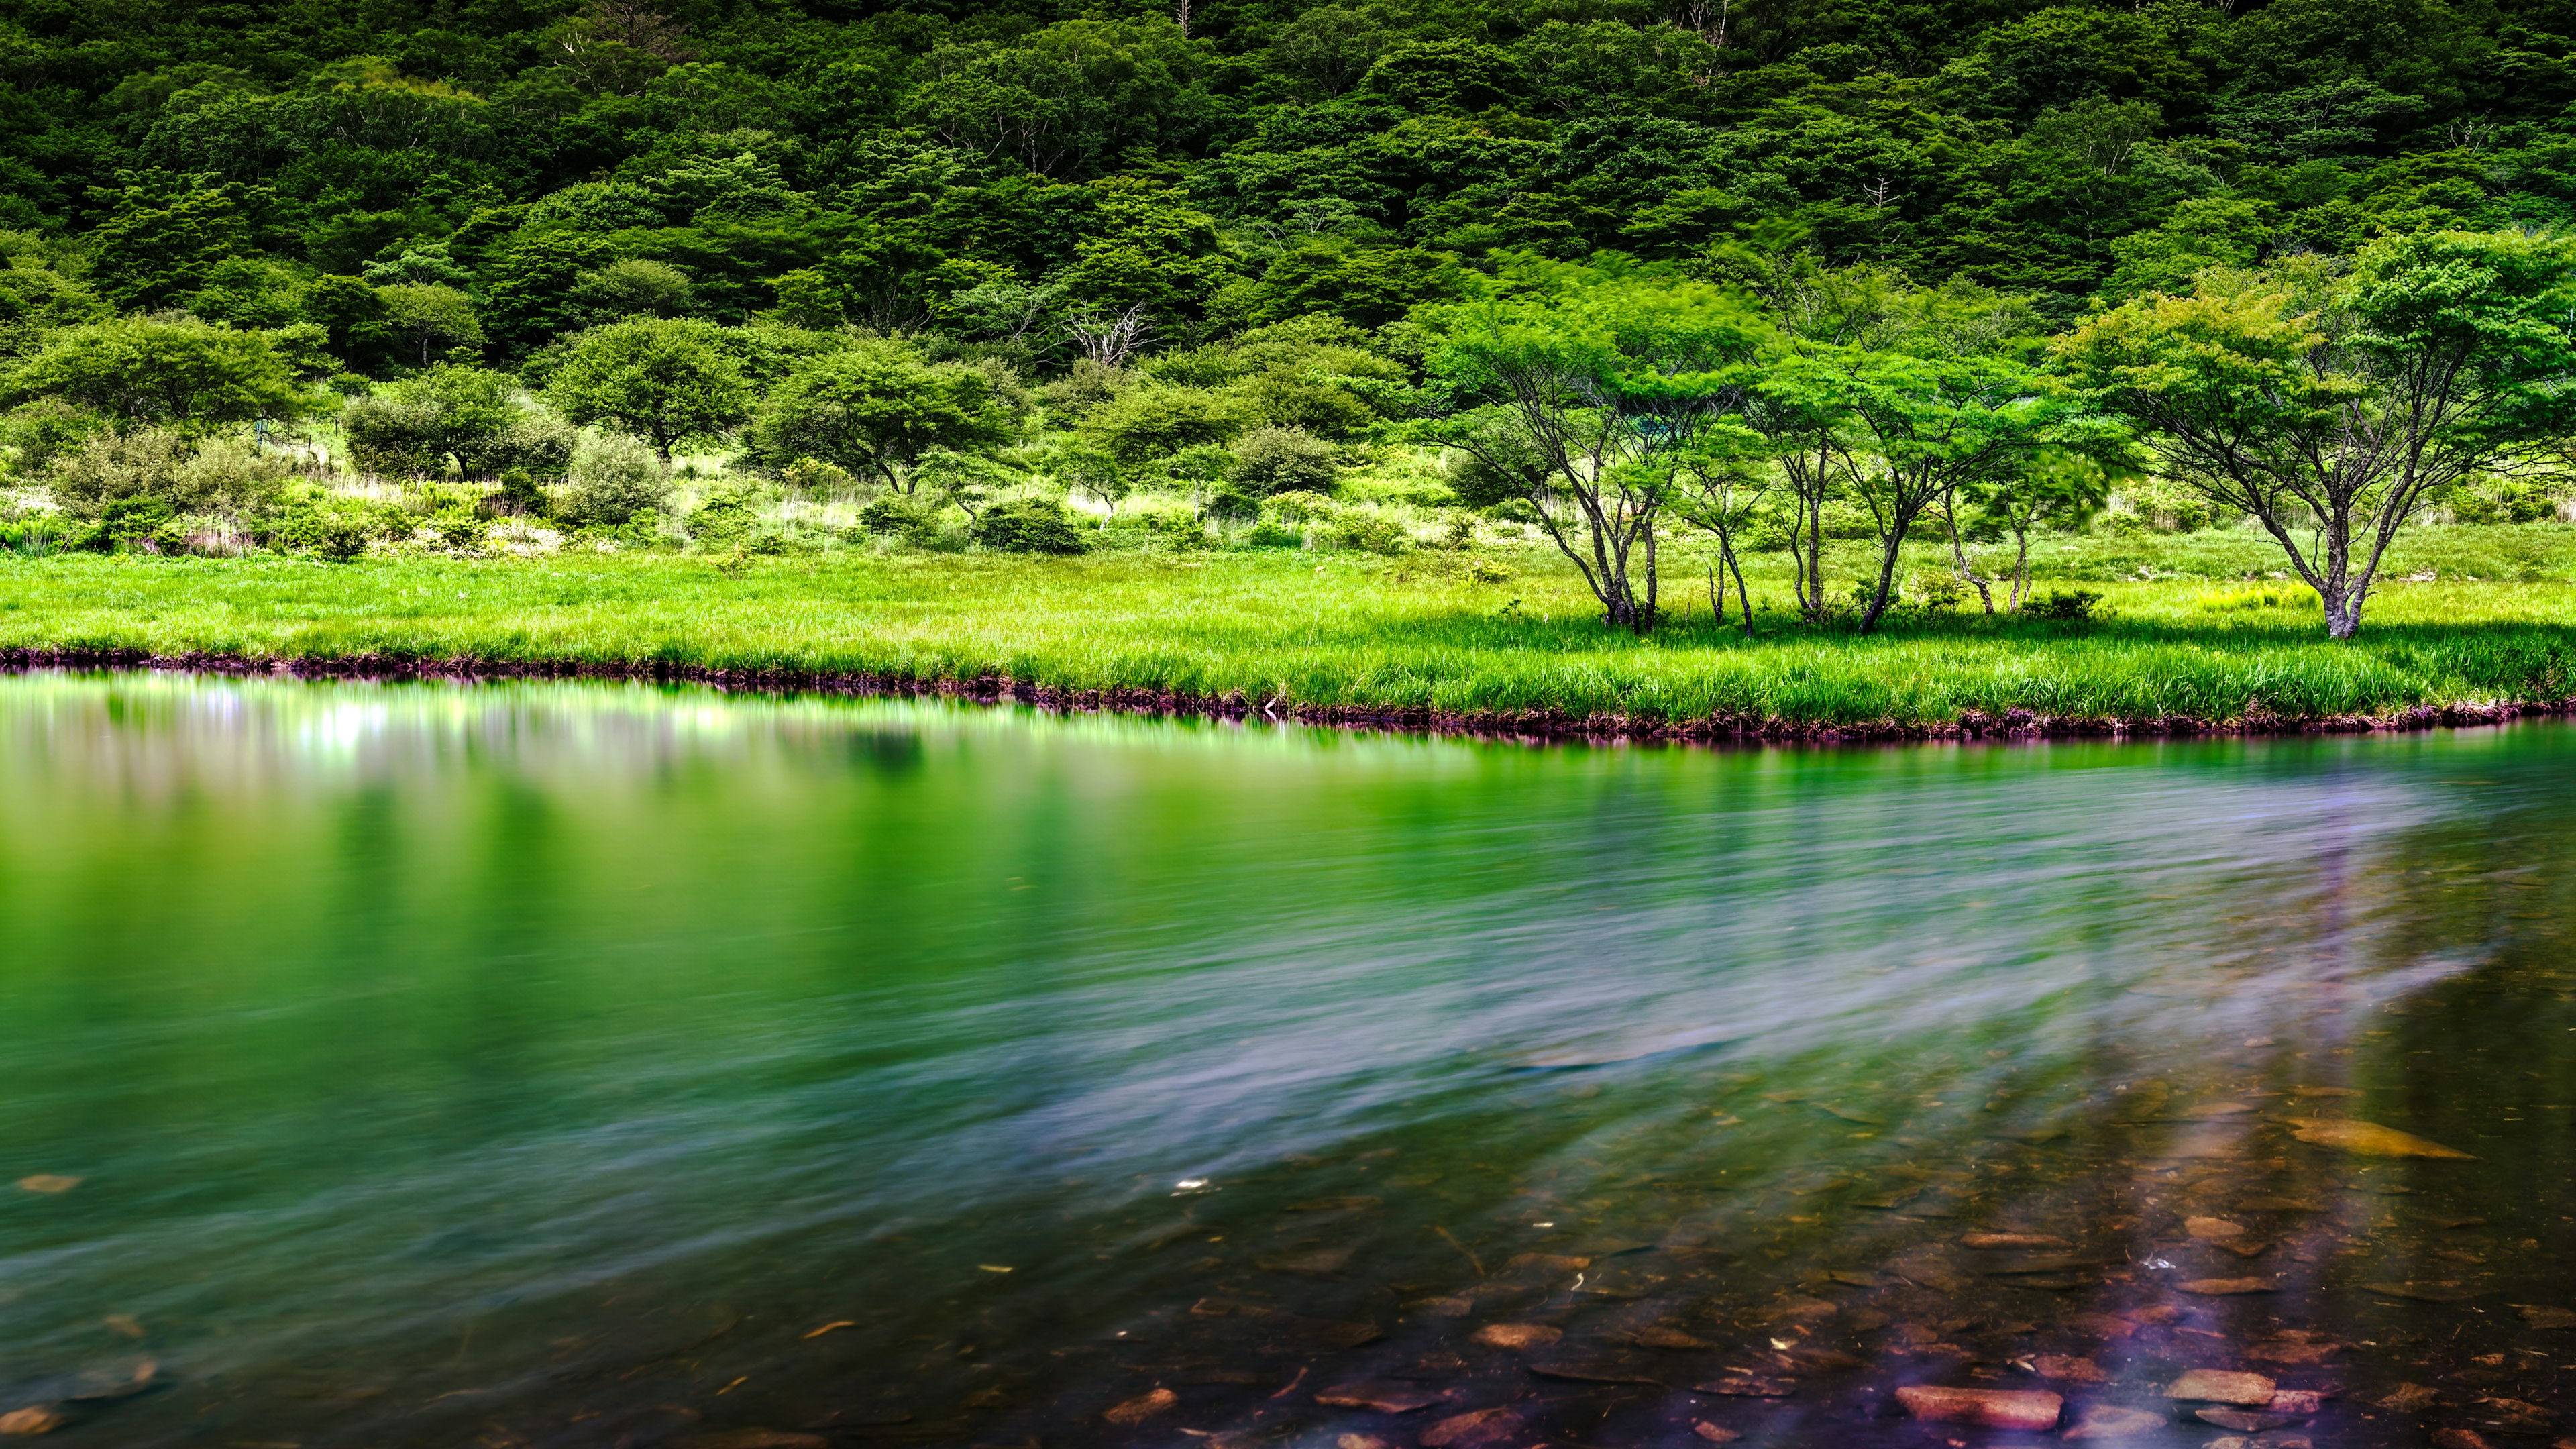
(577, 1065)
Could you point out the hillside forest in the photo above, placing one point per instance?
(1774, 276)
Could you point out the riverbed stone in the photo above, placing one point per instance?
(1518, 1336)
(1473, 1430)
(2223, 1386)
(1992, 1408)
(2110, 1421)
(1127, 1414)
(2368, 1139)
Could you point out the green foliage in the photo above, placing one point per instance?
(613, 480)
(900, 514)
(875, 410)
(671, 382)
(176, 471)
(179, 372)
(1026, 525)
(1279, 460)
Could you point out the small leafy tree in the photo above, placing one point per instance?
(876, 410)
(182, 372)
(428, 320)
(2333, 408)
(669, 381)
(1571, 401)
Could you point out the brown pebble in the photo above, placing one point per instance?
(48, 1183)
(2407, 1398)
(1379, 1394)
(1662, 1337)
(1140, 1408)
(1518, 1335)
(2294, 1350)
(1474, 1430)
(1993, 1408)
(2210, 1230)
(2298, 1403)
(2068, 1369)
(755, 1439)
(1740, 1385)
(2224, 1287)
(2108, 1421)
(34, 1419)
(1363, 1441)
(2222, 1386)
(2459, 1439)
(1714, 1433)
(2012, 1240)
(2244, 1421)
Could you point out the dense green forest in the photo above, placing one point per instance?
(938, 262)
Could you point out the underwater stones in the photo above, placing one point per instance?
(1378, 1395)
(2223, 1386)
(2063, 1368)
(1714, 1433)
(1518, 1336)
(2368, 1139)
(1131, 1412)
(1740, 1384)
(33, 1419)
(2548, 1317)
(2227, 1287)
(2211, 1230)
(2012, 1240)
(1473, 1430)
(2110, 1421)
(1992, 1408)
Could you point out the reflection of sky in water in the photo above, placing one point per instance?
(461, 1001)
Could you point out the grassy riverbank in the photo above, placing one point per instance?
(1357, 634)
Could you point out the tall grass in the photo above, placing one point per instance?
(1303, 629)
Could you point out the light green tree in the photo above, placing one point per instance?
(2332, 406)
(183, 372)
(668, 381)
(876, 410)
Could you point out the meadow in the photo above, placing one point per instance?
(2188, 627)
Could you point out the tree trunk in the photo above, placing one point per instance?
(1886, 579)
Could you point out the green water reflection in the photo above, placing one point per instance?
(548, 1064)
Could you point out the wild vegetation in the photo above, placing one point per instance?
(1813, 317)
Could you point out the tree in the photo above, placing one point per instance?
(464, 414)
(667, 381)
(878, 409)
(2050, 488)
(430, 320)
(2331, 408)
(183, 372)
(158, 244)
(1156, 420)
(1571, 403)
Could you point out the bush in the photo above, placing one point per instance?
(902, 515)
(2512, 502)
(157, 463)
(2063, 604)
(1272, 535)
(1282, 460)
(1231, 504)
(310, 520)
(815, 476)
(1027, 525)
(724, 520)
(1370, 531)
(613, 478)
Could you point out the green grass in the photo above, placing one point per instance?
(1350, 632)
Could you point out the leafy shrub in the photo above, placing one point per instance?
(902, 515)
(1272, 535)
(2063, 604)
(158, 463)
(1937, 592)
(1027, 525)
(1282, 460)
(724, 520)
(1370, 531)
(613, 479)
(1231, 504)
(2512, 502)
(815, 476)
(310, 520)
(1299, 506)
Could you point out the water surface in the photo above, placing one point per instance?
(584, 1065)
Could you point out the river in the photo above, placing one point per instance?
(557, 1064)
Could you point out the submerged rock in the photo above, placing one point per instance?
(2227, 1287)
(1518, 1335)
(2223, 1386)
(1473, 1430)
(1137, 1410)
(1993, 1408)
(2109, 1421)
(33, 1419)
(1379, 1395)
(2368, 1139)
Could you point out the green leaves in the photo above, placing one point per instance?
(670, 381)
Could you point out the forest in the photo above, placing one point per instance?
(1878, 301)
